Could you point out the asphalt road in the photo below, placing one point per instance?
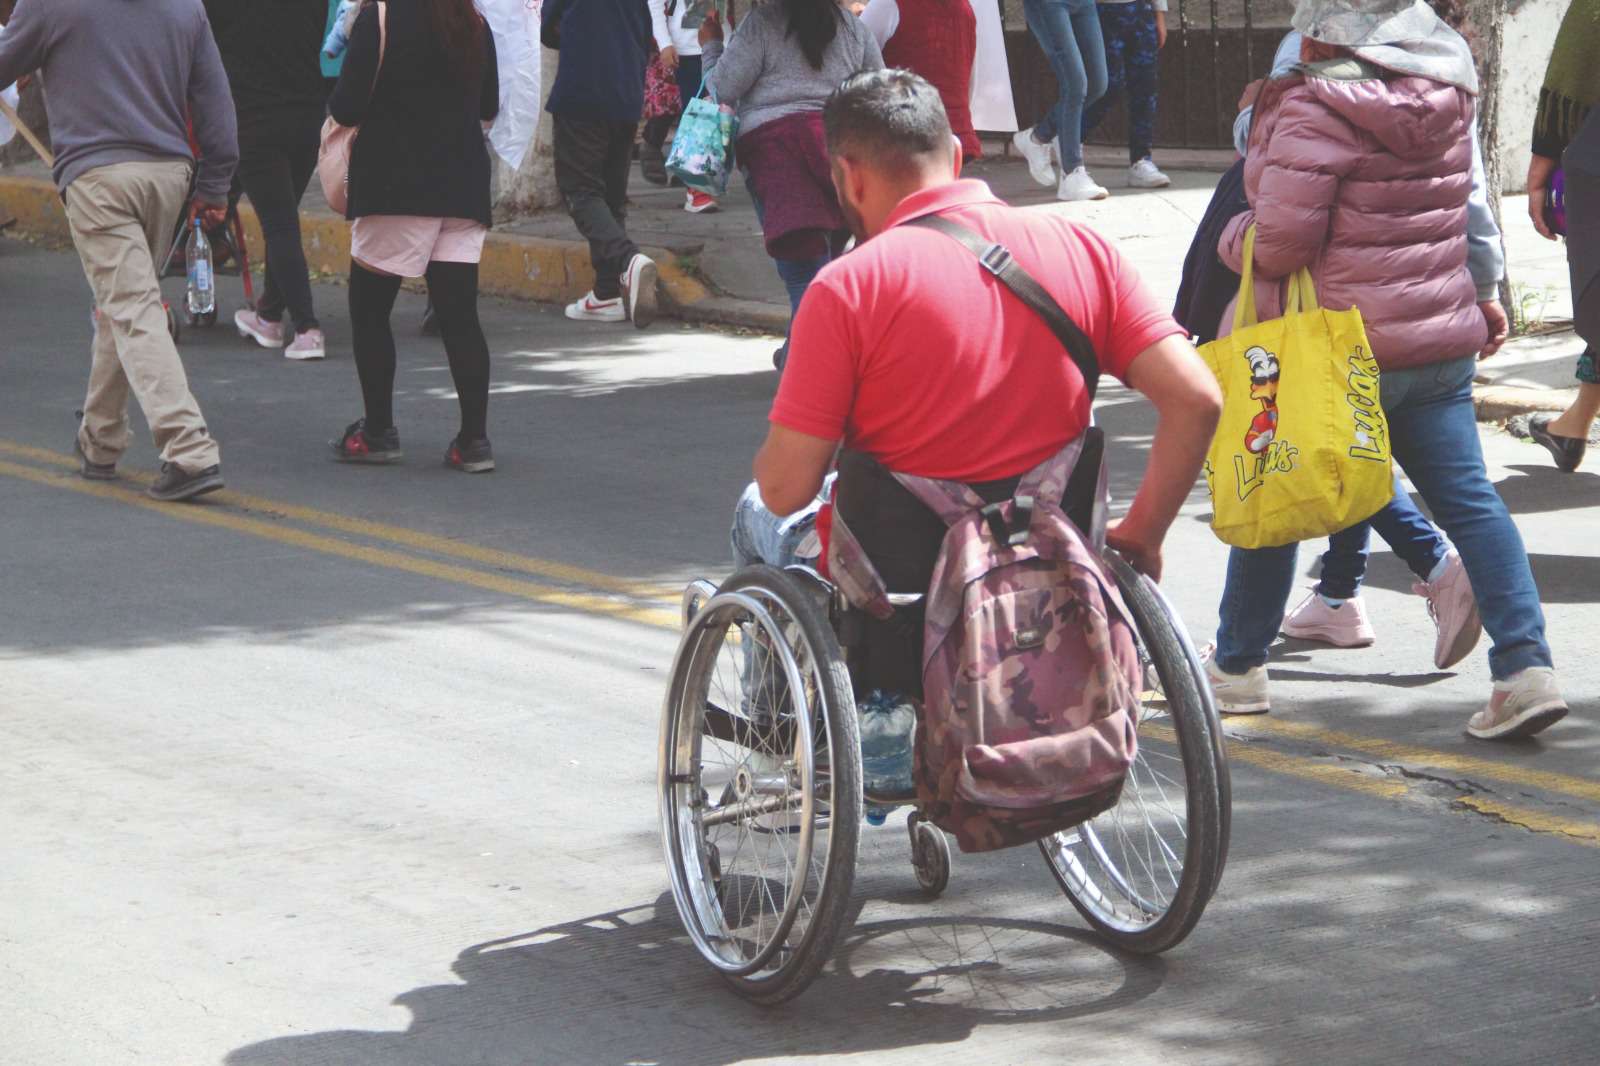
(356, 766)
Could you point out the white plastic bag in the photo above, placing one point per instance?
(515, 25)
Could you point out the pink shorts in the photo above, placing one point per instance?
(404, 245)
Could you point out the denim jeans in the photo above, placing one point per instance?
(796, 274)
(1069, 33)
(1434, 433)
(759, 536)
(1402, 526)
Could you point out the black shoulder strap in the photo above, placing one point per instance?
(998, 261)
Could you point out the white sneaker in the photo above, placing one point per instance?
(1244, 693)
(593, 309)
(1144, 175)
(639, 290)
(1520, 706)
(1078, 185)
(1040, 157)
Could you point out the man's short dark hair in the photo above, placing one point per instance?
(890, 119)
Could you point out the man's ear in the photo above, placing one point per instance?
(849, 179)
(955, 159)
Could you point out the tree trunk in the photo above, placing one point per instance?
(532, 187)
(31, 110)
(1488, 26)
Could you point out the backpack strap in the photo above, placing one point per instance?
(999, 262)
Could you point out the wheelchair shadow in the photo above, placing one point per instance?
(626, 986)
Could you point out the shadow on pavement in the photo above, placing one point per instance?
(552, 996)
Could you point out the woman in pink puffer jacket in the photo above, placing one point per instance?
(1359, 168)
(1365, 179)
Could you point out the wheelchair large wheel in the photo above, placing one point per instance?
(1142, 872)
(761, 783)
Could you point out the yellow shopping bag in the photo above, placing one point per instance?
(1302, 450)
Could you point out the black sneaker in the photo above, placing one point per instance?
(174, 483)
(470, 457)
(87, 470)
(430, 321)
(1566, 451)
(359, 446)
(652, 164)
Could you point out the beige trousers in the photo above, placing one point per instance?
(122, 217)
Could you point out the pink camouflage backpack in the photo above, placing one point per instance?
(1030, 668)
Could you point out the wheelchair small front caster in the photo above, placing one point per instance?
(930, 856)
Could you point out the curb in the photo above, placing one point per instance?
(1497, 403)
(541, 269)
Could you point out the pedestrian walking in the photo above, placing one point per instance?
(421, 91)
(121, 84)
(676, 27)
(1135, 31)
(1370, 145)
(1333, 612)
(1069, 33)
(270, 49)
(784, 61)
(938, 40)
(1571, 90)
(597, 100)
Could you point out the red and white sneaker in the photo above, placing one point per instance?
(639, 291)
(593, 309)
(359, 446)
(699, 203)
(1344, 626)
(1520, 706)
(1454, 609)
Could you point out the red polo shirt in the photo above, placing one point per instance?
(909, 350)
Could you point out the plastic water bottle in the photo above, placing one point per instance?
(887, 723)
(202, 280)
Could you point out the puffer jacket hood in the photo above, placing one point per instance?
(1363, 176)
(1411, 117)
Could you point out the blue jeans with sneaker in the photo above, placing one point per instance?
(1434, 433)
(1069, 33)
(1402, 526)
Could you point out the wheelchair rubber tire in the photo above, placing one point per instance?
(800, 960)
(1197, 730)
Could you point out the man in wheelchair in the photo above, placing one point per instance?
(912, 354)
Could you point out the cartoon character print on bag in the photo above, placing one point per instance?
(1264, 373)
(1266, 450)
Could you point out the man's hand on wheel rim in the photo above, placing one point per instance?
(1142, 551)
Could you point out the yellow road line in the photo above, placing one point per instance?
(393, 560)
(1382, 786)
(1389, 751)
(409, 538)
(1537, 821)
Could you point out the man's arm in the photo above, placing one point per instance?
(216, 125)
(790, 467)
(550, 23)
(24, 43)
(1188, 403)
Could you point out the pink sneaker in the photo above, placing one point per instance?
(1455, 611)
(1345, 626)
(251, 325)
(307, 345)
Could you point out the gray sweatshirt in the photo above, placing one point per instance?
(119, 78)
(764, 74)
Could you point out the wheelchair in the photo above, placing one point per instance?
(761, 788)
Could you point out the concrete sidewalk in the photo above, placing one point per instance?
(714, 267)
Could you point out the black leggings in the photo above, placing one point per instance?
(274, 175)
(454, 290)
